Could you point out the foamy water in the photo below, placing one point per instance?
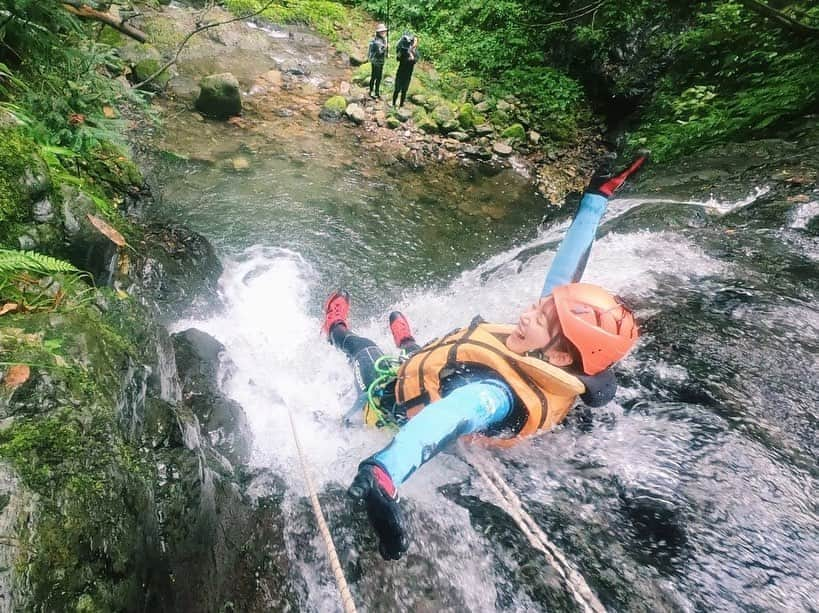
(282, 365)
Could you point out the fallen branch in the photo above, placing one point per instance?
(184, 42)
(83, 10)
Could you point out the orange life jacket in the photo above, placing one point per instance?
(545, 392)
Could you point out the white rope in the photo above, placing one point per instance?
(512, 504)
(346, 598)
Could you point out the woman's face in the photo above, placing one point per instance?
(537, 327)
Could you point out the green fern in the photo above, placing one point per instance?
(30, 261)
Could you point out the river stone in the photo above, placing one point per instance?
(483, 107)
(426, 124)
(502, 149)
(419, 99)
(176, 265)
(403, 115)
(295, 68)
(240, 163)
(534, 137)
(477, 97)
(219, 96)
(442, 114)
(356, 113)
(334, 108)
(459, 136)
(450, 125)
(392, 122)
(484, 129)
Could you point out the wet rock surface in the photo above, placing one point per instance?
(294, 79)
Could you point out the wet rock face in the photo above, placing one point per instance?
(198, 358)
(178, 266)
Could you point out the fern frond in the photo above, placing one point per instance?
(12, 260)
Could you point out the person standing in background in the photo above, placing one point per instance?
(376, 54)
(407, 55)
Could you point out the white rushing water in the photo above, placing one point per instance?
(270, 331)
(282, 364)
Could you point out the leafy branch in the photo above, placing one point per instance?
(783, 19)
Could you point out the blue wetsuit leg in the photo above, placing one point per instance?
(573, 253)
(467, 410)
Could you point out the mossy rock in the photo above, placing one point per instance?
(145, 68)
(362, 75)
(472, 83)
(392, 122)
(219, 96)
(499, 118)
(24, 179)
(432, 101)
(427, 125)
(514, 132)
(450, 125)
(333, 108)
(442, 114)
(113, 170)
(419, 99)
(466, 116)
(110, 36)
(416, 88)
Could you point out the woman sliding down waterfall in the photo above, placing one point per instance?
(498, 383)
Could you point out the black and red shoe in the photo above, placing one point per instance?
(336, 309)
(605, 184)
(373, 486)
(400, 328)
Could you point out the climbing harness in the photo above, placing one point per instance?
(346, 598)
(386, 368)
(514, 508)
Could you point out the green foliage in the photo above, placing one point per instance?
(324, 15)
(58, 78)
(88, 529)
(38, 282)
(32, 262)
(737, 76)
(491, 46)
(15, 151)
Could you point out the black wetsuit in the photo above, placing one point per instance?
(403, 76)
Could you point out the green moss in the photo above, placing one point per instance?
(16, 153)
(514, 132)
(336, 104)
(110, 36)
(362, 74)
(329, 18)
(94, 487)
(147, 67)
(466, 116)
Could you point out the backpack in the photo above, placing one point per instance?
(402, 49)
(377, 51)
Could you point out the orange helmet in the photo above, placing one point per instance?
(600, 327)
